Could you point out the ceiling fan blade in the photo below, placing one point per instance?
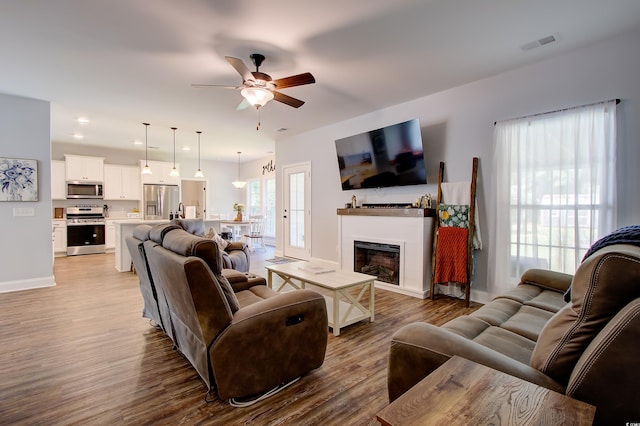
(294, 80)
(243, 105)
(240, 66)
(222, 86)
(285, 99)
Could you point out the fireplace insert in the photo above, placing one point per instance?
(378, 259)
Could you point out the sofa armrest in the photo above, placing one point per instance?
(233, 276)
(418, 349)
(235, 245)
(547, 279)
(272, 341)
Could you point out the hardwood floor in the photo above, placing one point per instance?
(81, 353)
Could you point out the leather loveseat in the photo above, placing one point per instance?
(586, 348)
(242, 337)
(235, 255)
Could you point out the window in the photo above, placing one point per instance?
(555, 189)
(261, 194)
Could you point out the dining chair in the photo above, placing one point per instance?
(255, 234)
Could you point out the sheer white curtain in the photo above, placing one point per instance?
(555, 190)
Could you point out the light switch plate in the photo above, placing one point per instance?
(24, 211)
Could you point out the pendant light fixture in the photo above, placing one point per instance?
(239, 183)
(174, 172)
(199, 173)
(146, 170)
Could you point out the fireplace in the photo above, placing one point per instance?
(378, 259)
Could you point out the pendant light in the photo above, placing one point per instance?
(146, 170)
(174, 172)
(199, 173)
(239, 183)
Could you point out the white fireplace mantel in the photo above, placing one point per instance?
(411, 229)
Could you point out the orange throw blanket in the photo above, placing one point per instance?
(451, 255)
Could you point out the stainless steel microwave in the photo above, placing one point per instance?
(76, 189)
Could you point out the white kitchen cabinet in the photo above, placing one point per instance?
(59, 236)
(122, 183)
(58, 187)
(81, 168)
(110, 234)
(160, 173)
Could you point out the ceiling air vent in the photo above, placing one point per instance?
(540, 42)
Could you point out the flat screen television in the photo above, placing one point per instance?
(390, 156)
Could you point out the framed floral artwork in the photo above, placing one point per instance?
(18, 179)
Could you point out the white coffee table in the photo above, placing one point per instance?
(343, 308)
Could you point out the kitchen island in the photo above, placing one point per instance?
(124, 228)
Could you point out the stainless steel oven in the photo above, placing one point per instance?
(85, 230)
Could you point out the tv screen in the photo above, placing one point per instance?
(390, 156)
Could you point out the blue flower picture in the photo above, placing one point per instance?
(18, 179)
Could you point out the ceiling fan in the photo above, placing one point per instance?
(259, 88)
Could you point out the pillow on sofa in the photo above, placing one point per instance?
(213, 235)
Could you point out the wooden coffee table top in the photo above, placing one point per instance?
(333, 280)
(463, 392)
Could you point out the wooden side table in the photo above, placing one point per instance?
(463, 392)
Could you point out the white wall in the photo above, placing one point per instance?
(26, 252)
(457, 125)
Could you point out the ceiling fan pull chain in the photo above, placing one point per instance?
(258, 125)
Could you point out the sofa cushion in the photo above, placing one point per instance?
(192, 226)
(528, 322)
(141, 232)
(254, 294)
(186, 244)
(497, 311)
(158, 232)
(548, 300)
(602, 285)
(466, 326)
(507, 343)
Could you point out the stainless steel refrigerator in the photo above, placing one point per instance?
(159, 201)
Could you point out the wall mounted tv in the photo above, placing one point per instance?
(390, 156)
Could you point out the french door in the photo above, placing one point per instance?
(297, 210)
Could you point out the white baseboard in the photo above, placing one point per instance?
(19, 285)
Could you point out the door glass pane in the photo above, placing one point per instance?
(270, 208)
(296, 210)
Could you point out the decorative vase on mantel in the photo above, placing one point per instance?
(238, 217)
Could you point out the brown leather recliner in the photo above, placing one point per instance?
(243, 339)
(587, 349)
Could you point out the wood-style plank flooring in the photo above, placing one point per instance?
(81, 353)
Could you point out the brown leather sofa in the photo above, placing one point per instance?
(236, 255)
(242, 337)
(586, 349)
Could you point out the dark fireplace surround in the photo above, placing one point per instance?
(379, 259)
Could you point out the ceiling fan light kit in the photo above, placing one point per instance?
(256, 96)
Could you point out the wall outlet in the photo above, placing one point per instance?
(24, 211)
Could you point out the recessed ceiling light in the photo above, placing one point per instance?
(137, 142)
(186, 148)
(83, 120)
(78, 136)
